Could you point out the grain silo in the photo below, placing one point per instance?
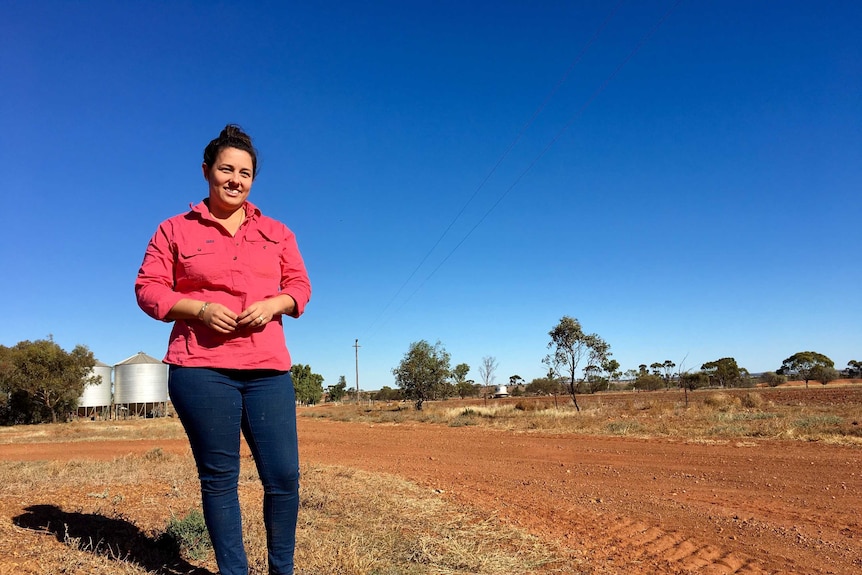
(96, 399)
(140, 387)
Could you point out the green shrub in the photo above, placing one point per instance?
(190, 535)
(817, 421)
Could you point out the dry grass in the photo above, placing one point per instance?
(110, 518)
(95, 517)
(86, 430)
(818, 414)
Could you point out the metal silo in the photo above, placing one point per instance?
(96, 399)
(140, 386)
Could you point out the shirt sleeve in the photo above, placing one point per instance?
(294, 277)
(154, 286)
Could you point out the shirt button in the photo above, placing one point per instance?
(234, 257)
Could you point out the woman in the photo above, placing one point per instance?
(226, 275)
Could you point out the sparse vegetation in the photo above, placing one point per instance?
(101, 518)
(788, 413)
(190, 535)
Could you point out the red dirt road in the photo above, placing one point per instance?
(629, 506)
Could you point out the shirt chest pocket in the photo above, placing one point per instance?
(263, 255)
(197, 264)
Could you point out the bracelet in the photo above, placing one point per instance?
(203, 309)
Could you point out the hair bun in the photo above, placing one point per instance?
(232, 136)
(234, 132)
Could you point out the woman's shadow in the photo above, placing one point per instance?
(114, 538)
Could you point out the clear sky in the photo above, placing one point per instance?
(682, 177)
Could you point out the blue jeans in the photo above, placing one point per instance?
(214, 405)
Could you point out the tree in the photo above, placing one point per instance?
(386, 393)
(423, 371)
(667, 368)
(801, 364)
(487, 370)
(460, 385)
(612, 368)
(45, 378)
(543, 386)
(824, 374)
(459, 374)
(854, 368)
(593, 378)
(725, 372)
(692, 381)
(308, 385)
(339, 390)
(772, 379)
(647, 381)
(630, 376)
(598, 353)
(466, 388)
(570, 345)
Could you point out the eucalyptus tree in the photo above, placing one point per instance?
(667, 368)
(804, 365)
(463, 387)
(423, 372)
(612, 368)
(339, 390)
(307, 384)
(44, 379)
(459, 373)
(570, 346)
(725, 371)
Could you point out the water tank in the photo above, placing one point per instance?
(98, 394)
(140, 379)
(500, 391)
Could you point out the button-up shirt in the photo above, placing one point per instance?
(192, 256)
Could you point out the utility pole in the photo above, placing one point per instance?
(357, 346)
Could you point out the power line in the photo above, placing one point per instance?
(553, 141)
(491, 172)
(549, 145)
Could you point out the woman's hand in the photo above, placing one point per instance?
(261, 312)
(257, 314)
(219, 318)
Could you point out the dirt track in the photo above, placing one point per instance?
(630, 506)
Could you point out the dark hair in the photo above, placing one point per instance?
(231, 137)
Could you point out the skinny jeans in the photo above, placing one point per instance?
(215, 406)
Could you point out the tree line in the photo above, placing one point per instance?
(579, 362)
(41, 382)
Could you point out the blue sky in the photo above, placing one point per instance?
(683, 177)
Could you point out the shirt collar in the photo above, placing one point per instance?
(251, 210)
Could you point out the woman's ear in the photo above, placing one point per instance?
(205, 170)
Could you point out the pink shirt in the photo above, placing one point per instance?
(191, 255)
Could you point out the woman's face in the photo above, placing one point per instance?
(230, 178)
